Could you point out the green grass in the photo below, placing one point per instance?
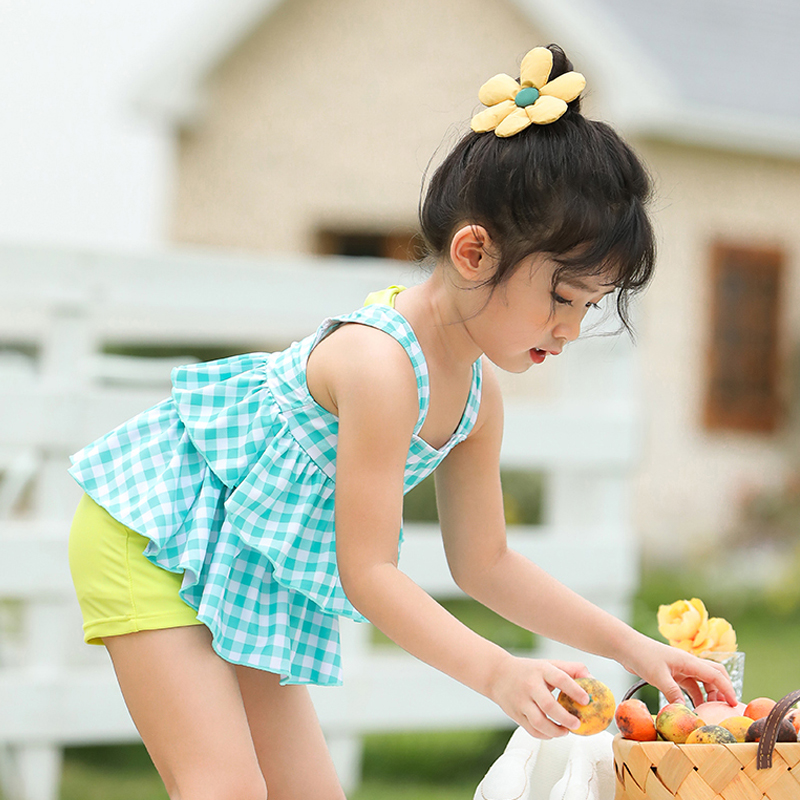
(428, 766)
(483, 621)
(121, 772)
(407, 766)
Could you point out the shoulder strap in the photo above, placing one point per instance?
(386, 319)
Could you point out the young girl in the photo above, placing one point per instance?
(225, 530)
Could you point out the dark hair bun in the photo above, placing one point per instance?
(572, 189)
(562, 64)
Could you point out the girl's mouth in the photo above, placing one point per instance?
(537, 355)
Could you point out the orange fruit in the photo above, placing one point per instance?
(597, 714)
(676, 721)
(759, 707)
(737, 726)
(634, 721)
(710, 734)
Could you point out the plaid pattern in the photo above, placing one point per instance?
(232, 480)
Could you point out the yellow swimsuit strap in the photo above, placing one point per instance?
(384, 297)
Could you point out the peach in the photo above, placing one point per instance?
(710, 734)
(786, 731)
(715, 711)
(759, 707)
(737, 726)
(597, 714)
(634, 721)
(794, 718)
(676, 721)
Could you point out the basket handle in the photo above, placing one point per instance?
(640, 685)
(770, 735)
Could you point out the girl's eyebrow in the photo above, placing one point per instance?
(577, 283)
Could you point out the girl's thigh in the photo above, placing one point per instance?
(186, 703)
(288, 739)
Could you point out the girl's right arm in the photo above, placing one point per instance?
(371, 383)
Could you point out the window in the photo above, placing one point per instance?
(403, 245)
(743, 379)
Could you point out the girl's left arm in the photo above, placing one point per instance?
(471, 515)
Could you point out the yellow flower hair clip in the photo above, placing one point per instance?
(534, 100)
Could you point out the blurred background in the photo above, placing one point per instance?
(185, 180)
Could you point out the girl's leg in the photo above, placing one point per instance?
(288, 739)
(186, 703)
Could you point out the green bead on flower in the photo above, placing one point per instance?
(527, 96)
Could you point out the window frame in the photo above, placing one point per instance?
(717, 416)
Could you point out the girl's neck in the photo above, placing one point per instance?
(436, 311)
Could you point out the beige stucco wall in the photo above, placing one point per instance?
(692, 481)
(328, 114)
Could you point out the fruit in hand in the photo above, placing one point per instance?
(597, 714)
(786, 731)
(634, 721)
(676, 721)
(759, 707)
(710, 734)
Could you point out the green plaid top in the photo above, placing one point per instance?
(232, 481)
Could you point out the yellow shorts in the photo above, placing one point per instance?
(119, 590)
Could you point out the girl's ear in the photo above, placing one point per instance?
(470, 253)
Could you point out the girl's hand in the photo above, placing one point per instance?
(523, 688)
(675, 671)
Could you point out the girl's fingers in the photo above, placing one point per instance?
(542, 726)
(716, 682)
(693, 690)
(550, 705)
(721, 685)
(673, 693)
(573, 668)
(560, 678)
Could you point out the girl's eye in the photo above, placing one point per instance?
(563, 300)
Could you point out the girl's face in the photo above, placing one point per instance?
(526, 319)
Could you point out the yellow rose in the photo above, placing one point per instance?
(716, 635)
(681, 621)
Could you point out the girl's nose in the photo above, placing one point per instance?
(567, 331)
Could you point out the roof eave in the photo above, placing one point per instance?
(173, 89)
(772, 136)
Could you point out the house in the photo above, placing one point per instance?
(306, 126)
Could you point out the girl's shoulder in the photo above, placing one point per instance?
(360, 362)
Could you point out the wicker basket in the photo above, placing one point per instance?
(749, 771)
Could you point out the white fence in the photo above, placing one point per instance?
(59, 311)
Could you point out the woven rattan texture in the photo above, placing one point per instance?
(667, 771)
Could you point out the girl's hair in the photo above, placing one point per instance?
(572, 189)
